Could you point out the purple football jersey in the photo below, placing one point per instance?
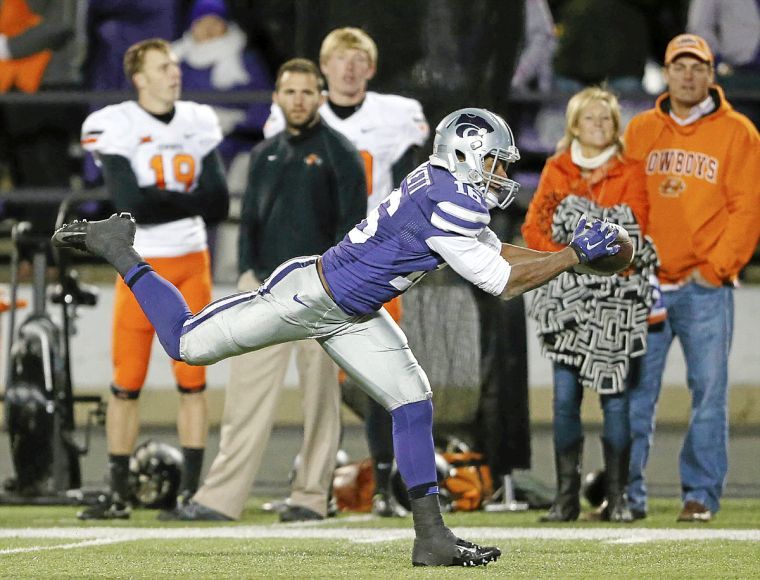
(387, 252)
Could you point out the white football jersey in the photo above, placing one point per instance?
(382, 129)
(165, 155)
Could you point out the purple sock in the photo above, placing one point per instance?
(413, 443)
(162, 304)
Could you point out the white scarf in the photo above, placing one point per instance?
(576, 154)
(696, 113)
(224, 55)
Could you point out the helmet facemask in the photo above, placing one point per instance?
(465, 140)
(499, 191)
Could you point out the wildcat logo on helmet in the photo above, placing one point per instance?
(472, 126)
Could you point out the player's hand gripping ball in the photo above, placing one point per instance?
(611, 265)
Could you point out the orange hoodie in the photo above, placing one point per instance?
(618, 181)
(703, 182)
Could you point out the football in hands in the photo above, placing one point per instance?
(611, 265)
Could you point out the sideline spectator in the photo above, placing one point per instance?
(702, 163)
(591, 327)
(305, 191)
(213, 55)
(534, 67)
(160, 164)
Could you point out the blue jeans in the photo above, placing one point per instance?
(568, 394)
(703, 320)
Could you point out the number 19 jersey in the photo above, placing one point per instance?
(163, 155)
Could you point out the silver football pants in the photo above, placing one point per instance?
(293, 305)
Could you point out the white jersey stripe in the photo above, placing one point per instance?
(447, 226)
(463, 213)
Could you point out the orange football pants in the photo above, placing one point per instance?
(132, 336)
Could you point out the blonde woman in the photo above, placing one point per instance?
(591, 327)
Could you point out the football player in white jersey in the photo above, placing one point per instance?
(387, 130)
(159, 161)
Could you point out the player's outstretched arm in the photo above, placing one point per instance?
(518, 254)
(531, 269)
(532, 273)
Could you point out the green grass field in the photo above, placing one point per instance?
(49, 542)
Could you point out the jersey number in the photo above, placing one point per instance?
(368, 227)
(183, 166)
(468, 190)
(368, 161)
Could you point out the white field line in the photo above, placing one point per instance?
(84, 544)
(103, 535)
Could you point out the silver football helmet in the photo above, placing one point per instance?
(464, 140)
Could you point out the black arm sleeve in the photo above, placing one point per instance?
(47, 35)
(211, 198)
(151, 205)
(147, 205)
(404, 165)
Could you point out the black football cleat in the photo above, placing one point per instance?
(448, 550)
(109, 507)
(297, 513)
(98, 237)
(192, 511)
(109, 239)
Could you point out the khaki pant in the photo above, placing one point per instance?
(251, 400)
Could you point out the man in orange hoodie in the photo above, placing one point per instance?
(702, 163)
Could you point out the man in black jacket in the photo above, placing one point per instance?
(306, 190)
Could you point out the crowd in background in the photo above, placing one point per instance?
(429, 51)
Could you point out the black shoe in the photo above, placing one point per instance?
(561, 513)
(448, 550)
(297, 513)
(567, 504)
(192, 511)
(386, 506)
(109, 507)
(638, 514)
(97, 237)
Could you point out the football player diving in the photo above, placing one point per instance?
(438, 216)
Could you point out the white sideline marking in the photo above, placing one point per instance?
(85, 544)
(104, 535)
